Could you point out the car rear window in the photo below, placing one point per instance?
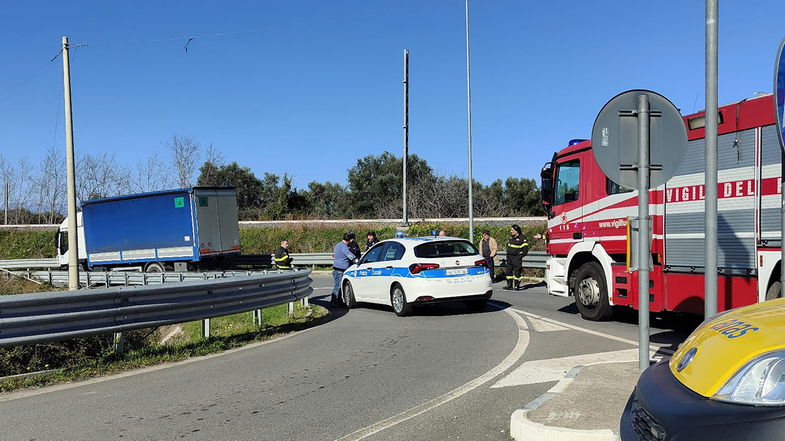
(445, 248)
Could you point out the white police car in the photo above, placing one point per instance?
(404, 272)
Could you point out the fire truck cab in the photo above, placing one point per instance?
(588, 239)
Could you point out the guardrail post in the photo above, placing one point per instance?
(206, 328)
(144, 278)
(304, 302)
(106, 279)
(290, 308)
(119, 343)
(257, 317)
(126, 277)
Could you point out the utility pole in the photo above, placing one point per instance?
(6, 201)
(73, 244)
(405, 134)
(469, 125)
(710, 272)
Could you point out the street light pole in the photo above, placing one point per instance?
(73, 244)
(405, 134)
(469, 126)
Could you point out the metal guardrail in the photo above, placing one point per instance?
(29, 263)
(535, 259)
(38, 317)
(130, 278)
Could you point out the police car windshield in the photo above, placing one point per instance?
(445, 248)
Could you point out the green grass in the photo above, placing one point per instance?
(228, 332)
(26, 244)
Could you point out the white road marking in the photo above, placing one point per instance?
(543, 326)
(555, 369)
(660, 348)
(515, 355)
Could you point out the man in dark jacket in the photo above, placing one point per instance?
(517, 248)
(354, 247)
(282, 259)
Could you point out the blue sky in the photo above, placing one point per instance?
(308, 87)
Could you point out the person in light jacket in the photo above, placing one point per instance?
(488, 249)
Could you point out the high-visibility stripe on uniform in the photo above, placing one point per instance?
(525, 244)
(281, 259)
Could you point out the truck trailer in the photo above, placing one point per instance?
(181, 229)
(589, 239)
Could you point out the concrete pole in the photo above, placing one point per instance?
(469, 126)
(405, 134)
(710, 281)
(73, 244)
(6, 201)
(644, 241)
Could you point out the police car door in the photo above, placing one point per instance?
(391, 262)
(369, 272)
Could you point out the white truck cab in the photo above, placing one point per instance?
(61, 242)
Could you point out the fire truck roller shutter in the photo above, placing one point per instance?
(684, 208)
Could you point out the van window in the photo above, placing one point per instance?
(567, 182)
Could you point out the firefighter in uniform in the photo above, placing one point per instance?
(282, 259)
(517, 248)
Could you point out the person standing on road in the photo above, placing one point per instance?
(517, 248)
(343, 258)
(489, 248)
(282, 259)
(371, 240)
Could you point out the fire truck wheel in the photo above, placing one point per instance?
(591, 294)
(774, 291)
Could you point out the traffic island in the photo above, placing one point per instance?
(586, 405)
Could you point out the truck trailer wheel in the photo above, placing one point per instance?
(591, 294)
(154, 267)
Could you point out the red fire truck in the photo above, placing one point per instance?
(588, 235)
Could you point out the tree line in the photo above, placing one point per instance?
(373, 189)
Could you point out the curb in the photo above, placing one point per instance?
(522, 428)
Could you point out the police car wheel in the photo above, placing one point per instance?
(591, 294)
(348, 295)
(398, 301)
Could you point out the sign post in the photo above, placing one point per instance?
(648, 121)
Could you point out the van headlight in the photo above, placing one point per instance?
(761, 382)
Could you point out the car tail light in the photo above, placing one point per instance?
(417, 268)
(482, 262)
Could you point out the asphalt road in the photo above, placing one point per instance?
(443, 373)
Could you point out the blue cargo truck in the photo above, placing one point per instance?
(182, 229)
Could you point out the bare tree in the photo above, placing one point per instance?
(185, 156)
(151, 175)
(99, 176)
(51, 186)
